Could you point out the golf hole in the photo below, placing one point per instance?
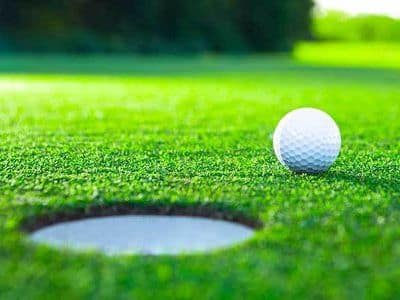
(144, 234)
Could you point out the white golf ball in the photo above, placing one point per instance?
(307, 140)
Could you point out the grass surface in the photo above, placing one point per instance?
(196, 132)
(353, 54)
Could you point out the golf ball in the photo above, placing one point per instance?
(307, 140)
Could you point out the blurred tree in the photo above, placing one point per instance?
(339, 26)
(154, 25)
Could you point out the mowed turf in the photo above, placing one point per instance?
(195, 133)
(356, 54)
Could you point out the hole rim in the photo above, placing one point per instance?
(53, 216)
(110, 253)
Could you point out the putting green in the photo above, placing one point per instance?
(90, 133)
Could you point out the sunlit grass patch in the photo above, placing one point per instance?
(371, 55)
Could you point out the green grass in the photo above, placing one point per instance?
(350, 54)
(78, 132)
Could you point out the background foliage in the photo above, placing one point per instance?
(152, 25)
(338, 26)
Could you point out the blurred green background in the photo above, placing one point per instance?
(179, 26)
(153, 26)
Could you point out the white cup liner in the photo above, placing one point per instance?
(144, 234)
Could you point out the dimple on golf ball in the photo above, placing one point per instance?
(307, 140)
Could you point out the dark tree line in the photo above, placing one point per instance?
(150, 26)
